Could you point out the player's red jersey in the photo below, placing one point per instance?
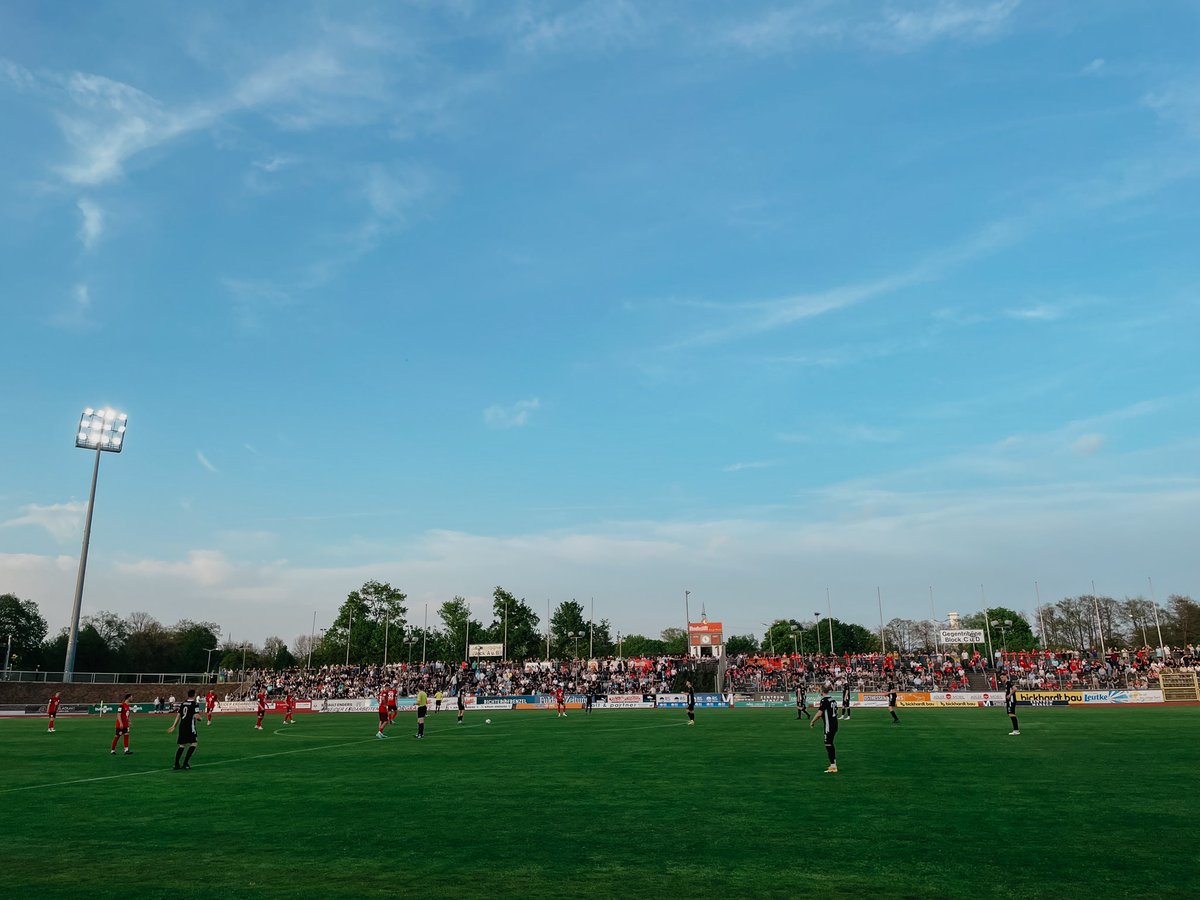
(383, 700)
(262, 701)
(123, 716)
(391, 698)
(210, 701)
(558, 696)
(52, 710)
(291, 701)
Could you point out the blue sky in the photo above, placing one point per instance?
(601, 300)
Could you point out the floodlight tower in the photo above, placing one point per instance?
(102, 430)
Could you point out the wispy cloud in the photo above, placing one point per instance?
(77, 314)
(742, 466)
(1042, 312)
(202, 567)
(1089, 444)
(1095, 67)
(91, 225)
(203, 460)
(62, 520)
(512, 416)
(794, 26)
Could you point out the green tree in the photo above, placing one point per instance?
(636, 645)
(23, 620)
(365, 618)
(741, 643)
(567, 618)
(192, 642)
(456, 615)
(151, 648)
(1182, 625)
(111, 627)
(524, 640)
(91, 652)
(283, 659)
(1017, 636)
(601, 639)
(674, 641)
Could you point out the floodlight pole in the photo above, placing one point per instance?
(1154, 605)
(73, 635)
(687, 625)
(7, 654)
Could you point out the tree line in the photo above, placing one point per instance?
(373, 623)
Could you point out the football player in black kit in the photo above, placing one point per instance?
(891, 692)
(827, 713)
(802, 702)
(590, 698)
(1010, 705)
(691, 701)
(846, 699)
(185, 718)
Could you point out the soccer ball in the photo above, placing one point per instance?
(487, 721)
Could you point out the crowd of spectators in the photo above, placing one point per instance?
(951, 671)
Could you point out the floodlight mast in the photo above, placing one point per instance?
(102, 430)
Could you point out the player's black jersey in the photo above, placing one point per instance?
(462, 699)
(891, 692)
(1010, 699)
(829, 716)
(846, 694)
(187, 715)
(691, 699)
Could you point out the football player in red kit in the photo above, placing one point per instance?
(384, 712)
(52, 712)
(262, 709)
(560, 702)
(290, 704)
(391, 704)
(210, 703)
(122, 727)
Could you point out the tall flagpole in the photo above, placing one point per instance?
(882, 639)
(424, 634)
(387, 621)
(987, 621)
(1099, 624)
(829, 604)
(1041, 624)
(933, 622)
(547, 629)
(592, 630)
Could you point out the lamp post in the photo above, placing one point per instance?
(349, 631)
(795, 629)
(102, 430)
(1145, 640)
(620, 655)
(687, 625)
(817, 627)
(208, 662)
(410, 640)
(770, 635)
(1003, 626)
(576, 635)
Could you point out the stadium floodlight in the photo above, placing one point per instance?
(103, 430)
(795, 629)
(576, 635)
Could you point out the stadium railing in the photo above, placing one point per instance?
(111, 677)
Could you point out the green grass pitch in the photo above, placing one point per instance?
(1084, 803)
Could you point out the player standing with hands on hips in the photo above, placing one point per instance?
(827, 713)
(122, 727)
(1010, 705)
(185, 718)
(691, 700)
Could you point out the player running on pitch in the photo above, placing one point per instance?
(1010, 705)
(262, 709)
(210, 704)
(122, 727)
(385, 716)
(52, 712)
(827, 713)
(289, 704)
(802, 702)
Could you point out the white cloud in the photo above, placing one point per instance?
(273, 163)
(91, 226)
(202, 567)
(1043, 312)
(742, 466)
(64, 521)
(1089, 444)
(77, 314)
(513, 416)
(926, 23)
(203, 460)
(1093, 68)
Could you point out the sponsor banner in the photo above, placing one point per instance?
(636, 702)
(487, 650)
(1061, 696)
(985, 697)
(615, 701)
(703, 701)
(64, 709)
(670, 701)
(1042, 701)
(962, 636)
(913, 697)
(771, 697)
(941, 704)
(1145, 696)
(362, 704)
(502, 702)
